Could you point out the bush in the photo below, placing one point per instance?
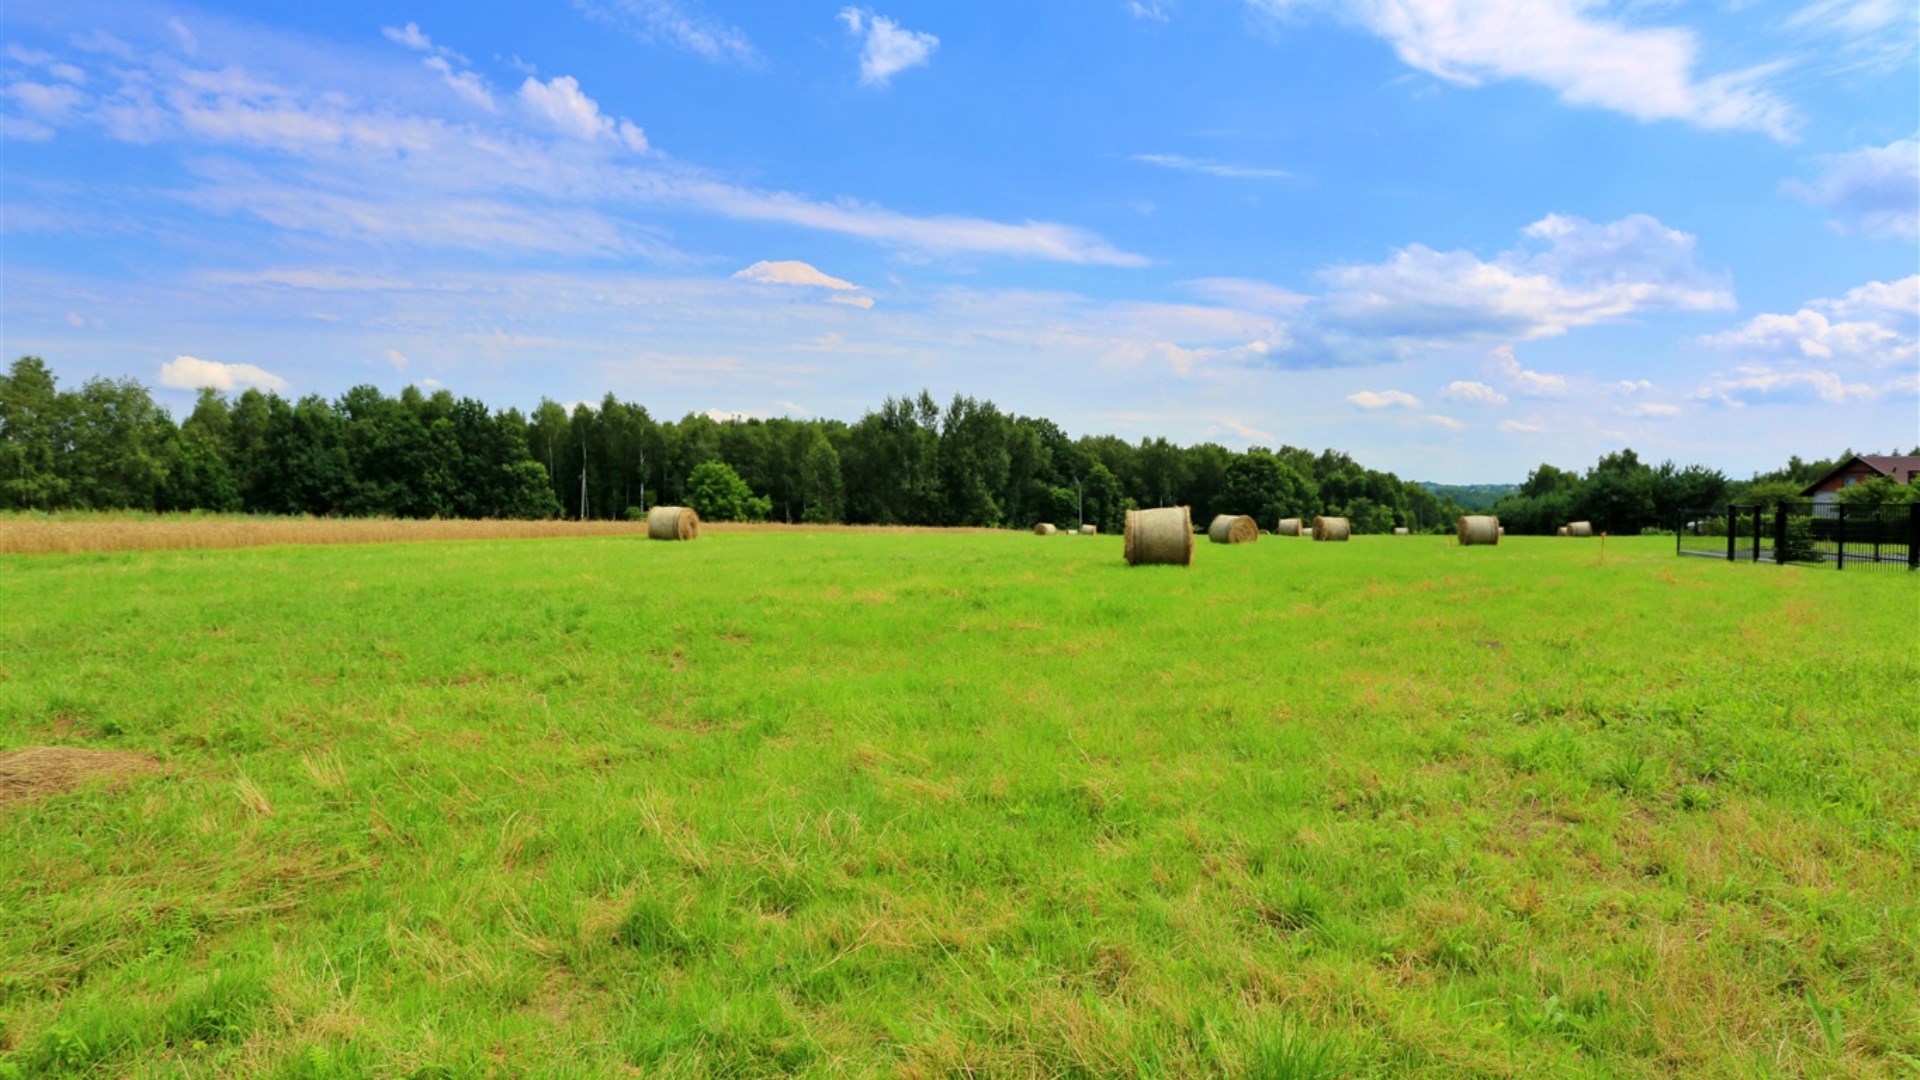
(717, 493)
(1796, 545)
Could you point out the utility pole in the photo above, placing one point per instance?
(583, 479)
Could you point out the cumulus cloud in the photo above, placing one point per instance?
(1569, 272)
(1535, 384)
(398, 359)
(889, 48)
(1834, 350)
(1648, 73)
(560, 102)
(791, 272)
(1477, 393)
(409, 35)
(193, 373)
(1874, 190)
(674, 24)
(1383, 399)
(1212, 168)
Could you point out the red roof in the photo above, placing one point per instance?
(1901, 467)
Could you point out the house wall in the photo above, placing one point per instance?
(1857, 473)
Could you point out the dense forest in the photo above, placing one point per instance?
(108, 446)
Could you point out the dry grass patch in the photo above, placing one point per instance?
(36, 772)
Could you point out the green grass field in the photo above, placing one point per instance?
(864, 804)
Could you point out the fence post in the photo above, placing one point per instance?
(1780, 534)
(1733, 531)
(1913, 536)
(1757, 511)
(1840, 536)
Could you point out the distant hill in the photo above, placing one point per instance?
(1471, 496)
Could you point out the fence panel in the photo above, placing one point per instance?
(1807, 533)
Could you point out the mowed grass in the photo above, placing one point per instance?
(844, 804)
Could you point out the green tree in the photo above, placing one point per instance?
(1880, 491)
(717, 493)
(822, 492)
(33, 423)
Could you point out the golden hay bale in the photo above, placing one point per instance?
(1561, 531)
(1233, 529)
(1289, 527)
(673, 523)
(1089, 530)
(1478, 529)
(1501, 531)
(1332, 528)
(1580, 528)
(1163, 536)
(1402, 530)
(1044, 529)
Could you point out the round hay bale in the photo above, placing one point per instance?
(1478, 529)
(1044, 529)
(1579, 528)
(1402, 530)
(1332, 528)
(673, 523)
(1501, 531)
(1289, 527)
(1089, 530)
(1561, 531)
(1163, 536)
(1233, 529)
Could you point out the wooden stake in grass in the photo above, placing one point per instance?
(1233, 529)
(1332, 528)
(1163, 537)
(673, 523)
(1477, 529)
(1288, 527)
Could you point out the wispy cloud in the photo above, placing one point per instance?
(1372, 400)
(887, 48)
(1213, 168)
(677, 25)
(1875, 190)
(1646, 72)
(1476, 393)
(560, 102)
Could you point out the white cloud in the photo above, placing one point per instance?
(1872, 326)
(48, 102)
(192, 373)
(1212, 168)
(1650, 410)
(791, 272)
(1570, 273)
(1648, 73)
(862, 302)
(1247, 293)
(467, 84)
(1875, 34)
(409, 35)
(1478, 393)
(1383, 399)
(1536, 384)
(889, 48)
(670, 22)
(1447, 422)
(1522, 427)
(398, 359)
(560, 102)
(76, 320)
(188, 43)
(1765, 385)
(1632, 386)
(1150, 10)
(1875, 190)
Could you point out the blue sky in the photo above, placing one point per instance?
(1455, 239)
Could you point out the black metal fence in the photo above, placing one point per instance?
(1809, 533)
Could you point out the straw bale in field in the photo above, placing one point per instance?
(1163, 536)
(34, 772)
(1402, 530)
(1561, 531)
(1289, 527)
(1478, 529)
(673, 523)
(1580, 528)
(1332, 528)
(1044, 529)
(1089, 530)
(1233, 529)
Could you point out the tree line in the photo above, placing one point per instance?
(912, 461)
